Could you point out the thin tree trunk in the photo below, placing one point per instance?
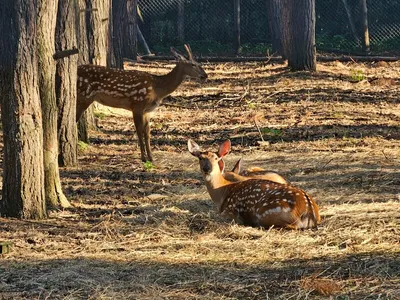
(119, 24)
(351, 21)
(82, 37)
(66, 38)
(286, 27)
(110, 49)
(274, 21)
(83, 59)
(47, 69)
(365, 30)
(181, 21)
(236, 25)
(23, 172)
(131, 30)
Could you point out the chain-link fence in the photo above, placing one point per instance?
(208, 25)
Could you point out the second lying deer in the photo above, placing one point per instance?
(236, 175)
(255, 202)
(139, 92)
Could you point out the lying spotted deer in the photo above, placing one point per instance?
(255, 202)
(236, 175)
(139, 92)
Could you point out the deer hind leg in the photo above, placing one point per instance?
(146, 126)
(139, 124)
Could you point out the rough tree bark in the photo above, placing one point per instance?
(66, 77)
(298, 34)
(47, 12)
(97, 30)
(23, 172)
(93, 45)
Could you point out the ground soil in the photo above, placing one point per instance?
(140, 231)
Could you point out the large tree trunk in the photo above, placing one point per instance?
(23, 172)
(66, 77)
(47, 69)
(298, 33)
(274, 8)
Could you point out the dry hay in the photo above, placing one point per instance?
(135, 233)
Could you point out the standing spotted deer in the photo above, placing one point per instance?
(139, 92)
(255, 202)
(236, 175)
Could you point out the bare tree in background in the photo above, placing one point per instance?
(23, 193)
(298, 34)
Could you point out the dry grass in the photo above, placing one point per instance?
(154, 234)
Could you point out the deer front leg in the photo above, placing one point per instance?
(147, 136)
(81, 105)
(139, 124)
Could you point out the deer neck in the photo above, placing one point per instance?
(217, 187)
(165, 84)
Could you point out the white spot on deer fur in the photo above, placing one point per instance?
(145, 81)
(286, 209)
(86, 80)
(150, 88)
(274, 210)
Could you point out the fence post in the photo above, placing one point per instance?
(236, 26)
(365, 31)
(181, 21)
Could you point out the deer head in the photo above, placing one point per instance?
(189, 67)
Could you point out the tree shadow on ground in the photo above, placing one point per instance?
(357, 276)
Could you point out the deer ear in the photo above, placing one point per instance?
(237, 167)
(177, 55)
(221, 165)
(224, 148)
(193, 148)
